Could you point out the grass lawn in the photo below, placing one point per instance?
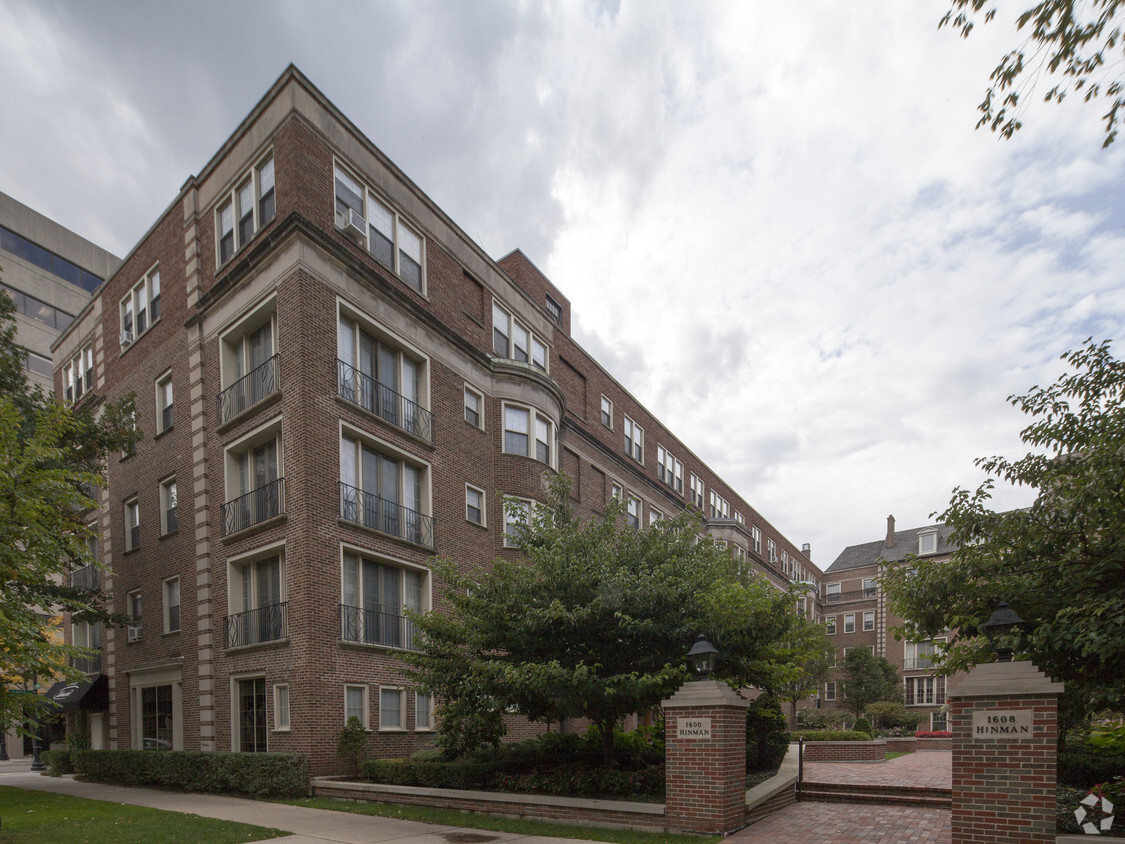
(40, 816)
(891, 756)
(523, 826)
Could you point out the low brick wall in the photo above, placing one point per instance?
(846, 751)
(908, 744)
(614, 814)
(775, 793)
(934, 744)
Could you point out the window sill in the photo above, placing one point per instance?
(170, 633)
(373, 646)
(161, 433)
(409, 543)
(282, 730)
(170, 533)
(257, 646)
(424, 730)
(260, 526)
(480, 525)
(375, 417)
(131, 550)
(475, 427)
(392, 730)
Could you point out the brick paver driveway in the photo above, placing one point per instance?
(926, 769)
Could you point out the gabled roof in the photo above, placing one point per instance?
(905, 542)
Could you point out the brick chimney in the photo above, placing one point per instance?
(890, 532)
(806, 549)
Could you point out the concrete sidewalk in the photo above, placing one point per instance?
(308, 825)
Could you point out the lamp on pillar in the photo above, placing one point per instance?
(1003, 622)
(702, 656)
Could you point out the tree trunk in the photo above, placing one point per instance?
(609, 761)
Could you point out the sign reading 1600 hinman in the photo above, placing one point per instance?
(693, 728)
(1002, 724)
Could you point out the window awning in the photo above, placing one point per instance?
(91, 694)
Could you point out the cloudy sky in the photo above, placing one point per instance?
(775, 221)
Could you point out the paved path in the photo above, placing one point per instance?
(927, 769)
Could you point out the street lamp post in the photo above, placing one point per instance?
(1003, 621)
(36, 742)
(702, 656)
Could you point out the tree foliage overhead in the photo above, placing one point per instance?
(595, 619)
(50, 459)
(867, 678)
(1061, 562)
(1077, 42)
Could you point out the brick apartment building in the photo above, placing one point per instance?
(856, 614)
(338, 384)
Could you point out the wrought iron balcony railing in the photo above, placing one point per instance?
(87, 577)
(87, 664)
(254, 507)
(369, 510)
(383, 401)
(918, 663)
(375, 627)
(265, 624)
(247, 391)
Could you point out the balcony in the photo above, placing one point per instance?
(265, 624)
(918, 663)
(254, 507)
(847, 597)
(375, 627)
(254, 387)
(88, 664)
(391, 407)
(87, 577)
(369, 510)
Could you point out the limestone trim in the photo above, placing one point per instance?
(706, 693)
(1005, 679)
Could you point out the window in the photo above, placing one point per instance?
(517, 512)
(172, 605)
(801, 605)
(394, 243)
(132, 525)
(382, 491)
(869, 621)
(383, 379)
(919, 656)
(252, 715)
(511, 339)
(927, 543)
(939, 721)
(157, 718)
(771, 550)
(616, 492)
(738, 517)
(654, 515)
(634, 440)
(849, 623)
(870, 585)
(87, 634)
(40, 365)
(607, 412)
(256, 599)
(669, 469)
(423, 712)
(390, 709)
(720, 509)
(756, 539)
(135, 605)
(375, 598)
(29, 306)
(517, 433)
(250, 364)
(168, 521)
(633, 512)
(355, 704)
(255, 489)
(832, 593)
(554, 310)
(164, 403)
(474, 505)
(832, 658)
(697, 490)
(281, 707)
(830, 625)
(44, 259)
(78, 375)
(924, 691)
(474, 405)
(140, 309)
(249, 206)
(830, 690)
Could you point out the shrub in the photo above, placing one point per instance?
(862, 725)
(933, 734)
(1081, 765)
(766, 738)
(467, 725)
(351, 747)
(821, 719)
(57, 762)
(829, 735)
(250, 774)
(892, 715)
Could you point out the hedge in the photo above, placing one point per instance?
(250, 774)
(829, 735)
(57, 762)
(1083, 766)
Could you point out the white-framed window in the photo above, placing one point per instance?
(831, 593)
(391, 714)
(669, 469)
(528, 433)
(255, 490)
(256, 598)
(801, 605)
(250, 364)
(474, 407)
(924, 691)
(756, 539)
(616, 491)
(633, 512)
(513, 340)
(134, 603)
(939, 720)
(771, 550)
(830, 690)
(475, 505)
(355, 704)
(140, 307)
(697, 490)
(87, 634)
(830, 625)
(248, 206)
(375, 594)
(158, 721)
(78, 376)
(634, 440)
(607, 412)
(164, 415)
(423, 712)
(738, 517)
(927, 542)
(383, 489)
(395, 243)
(171, 590)
(168, 519)
(517, 513)
(832, 658)
(132, 525)
(720, 509)
(849, 623)
(654, 515)
(869, 621)
(281, 707)
(250, 725)
(870, 587)
(920, 656)
(554, 310)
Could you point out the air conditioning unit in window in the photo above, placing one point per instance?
(354, 225)
(135, 633)
(126, 338)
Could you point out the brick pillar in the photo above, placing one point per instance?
(705, 758)
(1005, 743)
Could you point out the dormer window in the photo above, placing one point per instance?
(927, 543)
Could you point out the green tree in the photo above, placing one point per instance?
(1077, 42)
(801, 659)
(595, 618)
(1060, 563)
(866, 679)
(50, 459)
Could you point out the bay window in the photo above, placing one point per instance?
(384, 491)
(519, 424)
(513, 340)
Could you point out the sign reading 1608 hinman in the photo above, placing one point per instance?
(693, 728)
(1002, 724)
